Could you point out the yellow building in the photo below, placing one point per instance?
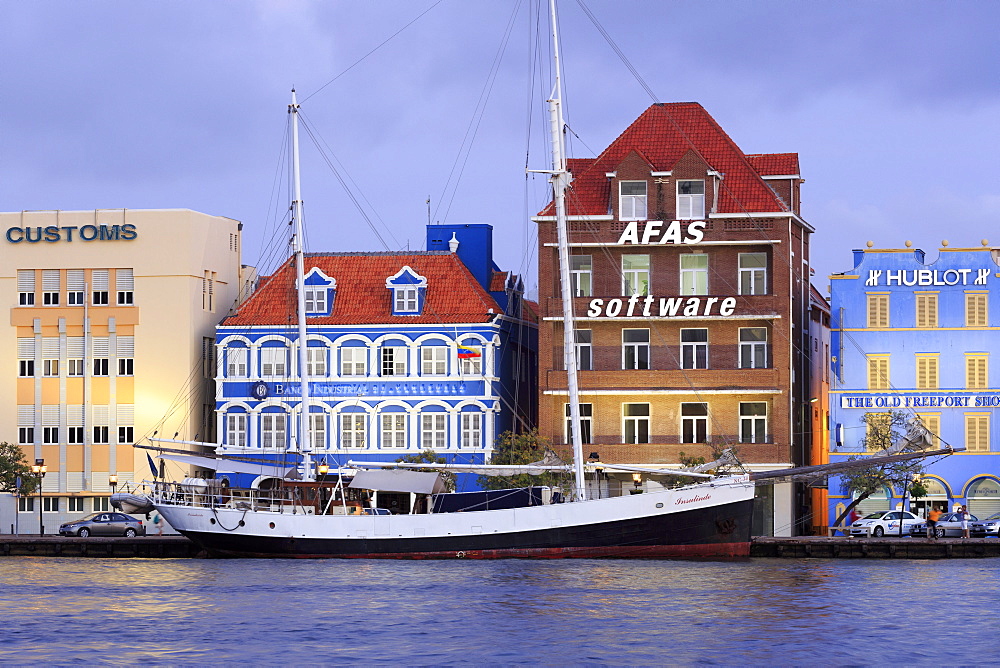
(112, 321)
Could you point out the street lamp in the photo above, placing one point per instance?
(39, 469)
(113, 481)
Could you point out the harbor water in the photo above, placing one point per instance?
(274, 612)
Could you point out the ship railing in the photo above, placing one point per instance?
(216, 496)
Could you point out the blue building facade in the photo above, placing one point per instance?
(918, 336)
(407, 352)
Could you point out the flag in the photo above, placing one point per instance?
(152, 465)
(465, 353)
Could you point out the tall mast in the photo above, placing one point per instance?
(304, 446)
(560, 181)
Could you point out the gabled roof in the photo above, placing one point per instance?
(453, 294)
(662, 135)
(775, 164)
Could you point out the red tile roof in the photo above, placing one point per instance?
(662, 135)
(498, 281)
(775, 164)
(453, 294)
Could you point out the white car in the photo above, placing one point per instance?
(987, 527)
(885, 523)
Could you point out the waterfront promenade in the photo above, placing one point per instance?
(840, 547)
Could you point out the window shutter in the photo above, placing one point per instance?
(100, 346)
(124, 279)
(126, 415)
(25, 416)
(74, 279)
(74, 346)
(26, 349)
(74, 416)
(101, 416)
(50, 416)
(126, 346)
(50, 347)
(99, 277)
(25, 280)
(50, 280)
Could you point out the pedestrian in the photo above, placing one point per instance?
(963, 514)
(932, 518)
(158, 523)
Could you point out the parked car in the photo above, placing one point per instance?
(885, 523)
(986, 527)
(103, 524)
(947, 525)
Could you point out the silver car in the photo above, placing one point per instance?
(103, 524)
(947, 525)
(986, 527)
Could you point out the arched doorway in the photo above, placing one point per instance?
(984, 497)
(938, 496)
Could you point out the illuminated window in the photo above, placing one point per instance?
(694, 274)
(635, 275)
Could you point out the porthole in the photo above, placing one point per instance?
(242, 523)
(271, 525)
(659, 505)
(211, 520)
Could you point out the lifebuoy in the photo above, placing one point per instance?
(460, 555)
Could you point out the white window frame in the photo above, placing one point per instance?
(694, 273)
(753, 352)
(315, 297)
(316, 362)
(753, 426)
(354, 361)
(434, 361)
(274, 430)
(393, 360)
(472, 430)
(694, 424)
(472, 366)
(102, 434)
(694, 350)
(317, 431)
(635, 423)
(690, 205)
(274, 362)
(74, 367)
(352, 430)
(100, 366)
(236, 430)
(74, 435)
(50, 368)
(581, 271)
(406, 299)
(637, 350)
(126, 366)
(632, 205)
(433, 431)
(393, 430)
(126, 434)
(236, 362)
(635, 280)
(26, 368)
(753, 277)
(584, 347)
(586, 424)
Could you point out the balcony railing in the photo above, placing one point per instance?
(672, 439)
(672, 358)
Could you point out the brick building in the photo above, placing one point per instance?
(690, 264)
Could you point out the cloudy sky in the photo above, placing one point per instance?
(893, 107)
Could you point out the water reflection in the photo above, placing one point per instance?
(566, 612)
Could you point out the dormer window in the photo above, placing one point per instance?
(406, 300)
(632, 200)
(319, 291)
(691, 199)
(408, 292)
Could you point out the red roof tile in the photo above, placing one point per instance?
(775, 164)
(662, 135)
(498, 281)
(453, 294)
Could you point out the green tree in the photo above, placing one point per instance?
(883, 430)
(524, 448)
(430, 457)
(13, 463)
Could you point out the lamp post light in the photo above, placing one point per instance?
(323, 468)
(39, 469)
(637, 480)
(113, 481)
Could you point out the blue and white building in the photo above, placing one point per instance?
(407, 352)
(918, 335)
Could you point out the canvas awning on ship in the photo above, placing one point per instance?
(415, 482)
